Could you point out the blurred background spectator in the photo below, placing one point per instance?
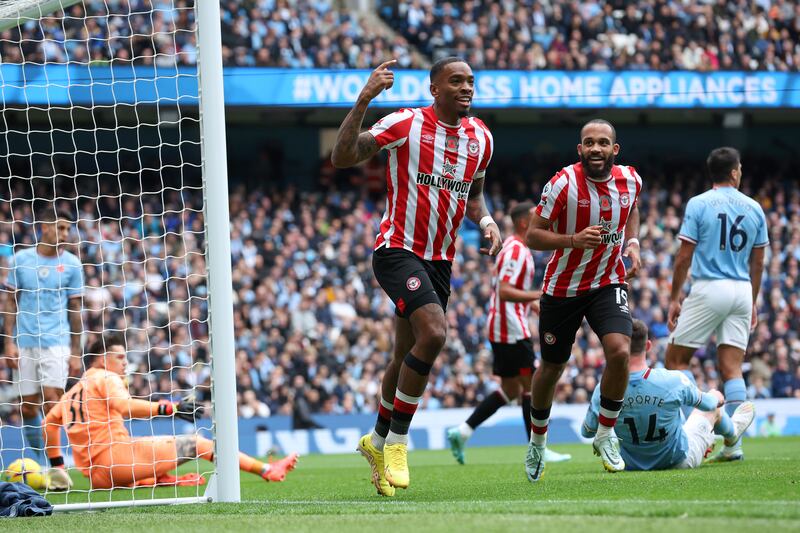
(698, 35)
(769, 428)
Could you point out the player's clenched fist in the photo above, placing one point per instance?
(588, 238)
(381, 79)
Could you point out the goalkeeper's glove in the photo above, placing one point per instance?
(188, 409)
(185, 409)
(58, 479)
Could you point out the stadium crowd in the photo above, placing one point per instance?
(312, 325)
(664, 35)
(604, 35)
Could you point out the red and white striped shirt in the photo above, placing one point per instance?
(572, 202)
(508, 321)
(430, 170)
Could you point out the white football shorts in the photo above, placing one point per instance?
(700, 434)
(42, 367)
(721, 306)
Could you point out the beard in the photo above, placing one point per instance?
(596, 174)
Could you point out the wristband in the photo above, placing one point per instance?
(633, 240)
(165, 408)
(485, 221)
(56, 462)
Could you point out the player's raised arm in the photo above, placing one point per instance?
(352, 146)
(185, 409)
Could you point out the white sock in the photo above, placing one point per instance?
(394, 438)
(377, 441)
(539, 439)
(465, 430)
(604, 432)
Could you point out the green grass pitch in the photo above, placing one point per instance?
(489, 493)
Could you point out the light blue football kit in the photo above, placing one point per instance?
(44, 286)
(725, 225)
(650, 425)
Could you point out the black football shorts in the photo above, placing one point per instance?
(410, 281)
(606, 310)
(512, 360)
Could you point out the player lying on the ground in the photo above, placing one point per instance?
(93, 414)
(652, 434)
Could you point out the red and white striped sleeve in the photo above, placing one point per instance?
(488, 151)
(554, 197)
(638, 179)
(392, 130)
(513, 264)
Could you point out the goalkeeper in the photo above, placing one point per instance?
(93, 413)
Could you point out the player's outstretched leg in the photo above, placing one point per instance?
(275, 471)
(741, 419)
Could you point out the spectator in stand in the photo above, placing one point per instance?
(604, 35)
(540, 34)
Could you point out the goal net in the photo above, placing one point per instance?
(105, 223)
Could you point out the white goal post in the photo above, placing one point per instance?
(116, 118)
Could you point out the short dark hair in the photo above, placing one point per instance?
(51, 214)
(101, 346)
(720, 163)
(638, 337)
(437, 67)
(604, 122)
(521, 210)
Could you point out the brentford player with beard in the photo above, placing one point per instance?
(437, 162)
(587, 215)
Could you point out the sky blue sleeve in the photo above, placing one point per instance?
(763, 235)
(688, 392)
(589, 427)
(11, 280)
(690, 228)
(708, 402)
(75, 286)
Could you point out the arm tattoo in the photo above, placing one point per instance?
(366, 146)
(351, 147)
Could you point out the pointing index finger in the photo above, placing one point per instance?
(385, 64)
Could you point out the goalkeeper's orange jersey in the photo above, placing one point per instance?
(92, 413)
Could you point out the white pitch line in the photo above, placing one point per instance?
(527, 503)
